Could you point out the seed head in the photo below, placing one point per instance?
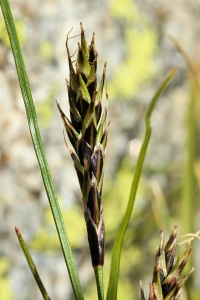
(87, 132)
(167, 281)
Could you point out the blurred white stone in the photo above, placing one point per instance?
(134, 148)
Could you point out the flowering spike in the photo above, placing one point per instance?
(167, 283)
(87, 132)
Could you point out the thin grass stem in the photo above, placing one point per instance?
(116, 253)
(38, 146)
(32, 265)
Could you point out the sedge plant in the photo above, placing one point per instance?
(87, 132)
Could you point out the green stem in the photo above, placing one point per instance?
(116, 253)
(37, 142)
(99, 281)
(188, 205)
(32, 265)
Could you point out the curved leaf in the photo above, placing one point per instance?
(116, 253)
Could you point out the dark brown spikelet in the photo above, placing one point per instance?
(87, 132)
(167, 281)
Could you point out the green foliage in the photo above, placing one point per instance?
(140, 46)
(140, 40)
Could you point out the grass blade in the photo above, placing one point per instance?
(37, 142)
(32, 265)
(115, 260)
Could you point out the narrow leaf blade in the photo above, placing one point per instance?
(116, 252)
(39, 150)
(32, 265)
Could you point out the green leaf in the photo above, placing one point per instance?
(116, 253)
(37, 142)
(32, 265)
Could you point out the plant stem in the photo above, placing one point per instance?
(39, 150)
(116, 253)
(99, 281)
(32, 265)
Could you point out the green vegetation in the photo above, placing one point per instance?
(87, 131)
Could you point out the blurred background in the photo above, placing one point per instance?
(133, 37)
